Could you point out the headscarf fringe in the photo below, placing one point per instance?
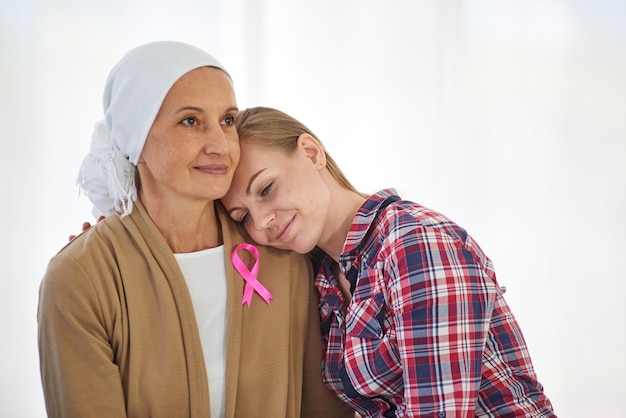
(106, 177)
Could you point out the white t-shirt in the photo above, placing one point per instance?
(205, 274)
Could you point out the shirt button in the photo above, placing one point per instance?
(442, 414)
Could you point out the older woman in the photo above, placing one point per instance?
(142, 315)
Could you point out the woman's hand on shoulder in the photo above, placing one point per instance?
(86, 226)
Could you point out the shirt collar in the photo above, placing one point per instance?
(358, 235)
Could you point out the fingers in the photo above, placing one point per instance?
(86, 226)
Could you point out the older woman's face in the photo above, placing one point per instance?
(192, 149)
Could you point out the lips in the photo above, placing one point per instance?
(215, 169)
(283, 232)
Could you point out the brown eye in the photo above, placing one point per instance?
(189, 121)
(229, 121)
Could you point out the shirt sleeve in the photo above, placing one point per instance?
(441, 300)
(78, 374)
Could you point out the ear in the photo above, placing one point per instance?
(312, 149)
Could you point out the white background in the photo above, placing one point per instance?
(508, 116)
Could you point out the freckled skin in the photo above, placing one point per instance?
(192, 149)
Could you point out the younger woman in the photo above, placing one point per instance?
(414, 322)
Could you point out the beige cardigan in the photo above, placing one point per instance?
(118, 335)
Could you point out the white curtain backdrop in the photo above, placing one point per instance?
(508, 116)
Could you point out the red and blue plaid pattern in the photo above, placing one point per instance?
(427, 332)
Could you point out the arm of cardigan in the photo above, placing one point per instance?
(78, 374)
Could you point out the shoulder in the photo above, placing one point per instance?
(95, 241)
(89, 257)
(406, 227)
(406, 217)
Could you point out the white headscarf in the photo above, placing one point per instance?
(133, 94)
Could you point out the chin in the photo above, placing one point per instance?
(216, 191)
(280, 246)
(302, 249)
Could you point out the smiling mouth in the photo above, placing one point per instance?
(281, 234)
(213, 169)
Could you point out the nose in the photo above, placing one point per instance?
(216, 141)
(263, 220)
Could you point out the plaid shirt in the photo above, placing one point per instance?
(427, 332)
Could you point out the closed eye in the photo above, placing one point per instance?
(267, 189)
(245, 219)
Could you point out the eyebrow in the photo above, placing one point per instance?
(252, 178)
(188, 108)
(198, 109)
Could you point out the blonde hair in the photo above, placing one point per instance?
(277, 130)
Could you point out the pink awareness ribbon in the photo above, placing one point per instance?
(250, 276)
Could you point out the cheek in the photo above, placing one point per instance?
(160, 156)
(256, 235)
(151, 163)
(235, 151)
(163, 167)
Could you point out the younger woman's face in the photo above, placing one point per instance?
(280, 199)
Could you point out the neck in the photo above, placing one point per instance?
(344, 206)
(186, 226)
